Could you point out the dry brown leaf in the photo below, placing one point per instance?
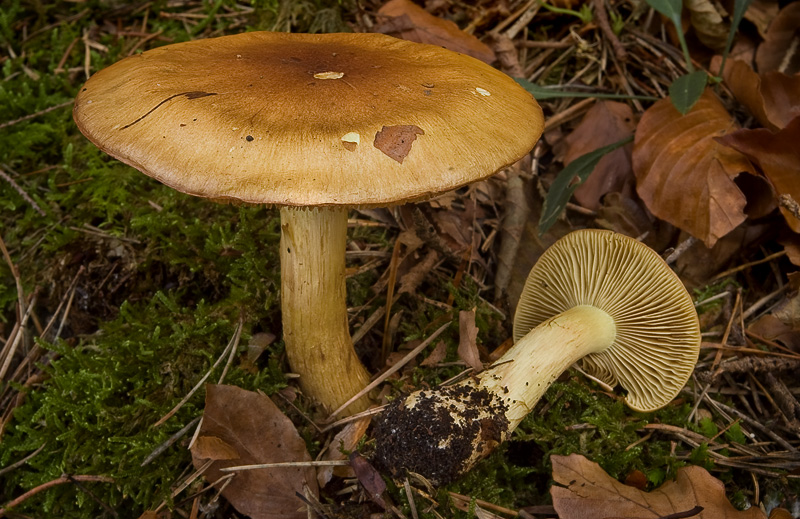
(708, 23)
(760, 13)
(777, 155)
(437, 355)
(590, 493)
(344, 441)
(258, 431)
(407, 20)
(683, 174)
(778, 52)
(605, 123)
(773, 98)
(468, 340)
(213, 448)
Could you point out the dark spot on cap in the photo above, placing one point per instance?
(249, 138)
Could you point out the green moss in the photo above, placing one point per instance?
(95, 412)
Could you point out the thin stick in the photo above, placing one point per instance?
(748, 265)
(37, 114)
(22, 461)
(17, 339)
(396, 367)
(49, 484)
(288, 464)
(171, 440)
(237, 335)
(197, 386)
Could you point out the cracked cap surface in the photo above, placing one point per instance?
(303, 120)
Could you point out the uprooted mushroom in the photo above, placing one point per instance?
(595, 296)
(315, 124)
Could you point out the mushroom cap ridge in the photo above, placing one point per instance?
(292, 119)
(658, 333)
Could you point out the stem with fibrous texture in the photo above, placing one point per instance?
(525, 372)
(313, 302)
(442, 433)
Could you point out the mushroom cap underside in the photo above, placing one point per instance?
(309, 119)
(658, 333)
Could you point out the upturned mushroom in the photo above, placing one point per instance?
(315, 124)
(595, 296)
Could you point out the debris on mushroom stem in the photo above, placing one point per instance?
(440, 434)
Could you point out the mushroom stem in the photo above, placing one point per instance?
(525, 372)
(313, 301)
(479, 413)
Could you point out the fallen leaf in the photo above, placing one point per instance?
(252, 425)
(344, 441)
(777, 155)
(605, 123)
(777, 52)
(370, 479)
(408, 21)
(437, 355)
(589, 493)
(710, 27)
(467, 342)
(760, 13)
(213, 448)
(773, 98)
(683, 175)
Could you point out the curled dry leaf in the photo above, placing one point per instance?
(467, 342)
(777, 155)
(258, 432)
(780, 50)
(683, 174)
(344, 441)
(773, 97)
(605, 123)
(407, 20)
(708, 23)
(589, 493)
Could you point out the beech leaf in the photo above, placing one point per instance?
(589, 493)
(683, 175)
(408, 21)
(252, 425)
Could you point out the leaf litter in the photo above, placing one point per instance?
(725, 186)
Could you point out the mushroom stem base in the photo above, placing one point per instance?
(313, 301)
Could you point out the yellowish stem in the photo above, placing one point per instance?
(524, 373)
(313, 302)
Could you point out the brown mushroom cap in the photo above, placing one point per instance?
(302, 119)
(657, 330)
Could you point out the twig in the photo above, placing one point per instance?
(402, 362)
(680, 249)
(5, 176)
(44, 486)
(568, 114)
(21, 462)
(231, 344)
(602, 21)
(746, 266)
(170, 441)
(285, 464)
(37, 114)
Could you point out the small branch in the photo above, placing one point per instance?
(5, 176)
(37, 114)
(49, 484)
(602, 21)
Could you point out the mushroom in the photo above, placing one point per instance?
(593, 295)
(315, 124)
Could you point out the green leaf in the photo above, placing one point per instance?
(687, 89)
(739, 8)
(669, 8)
(541, 93)
(568, 181)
